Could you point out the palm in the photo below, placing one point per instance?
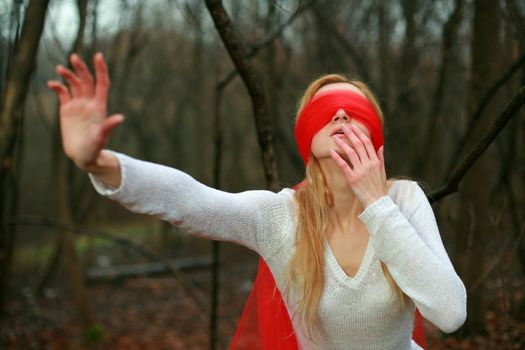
(84, 126)
(81, 121)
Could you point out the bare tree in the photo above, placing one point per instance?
(64, 201)
(449, 35)
(259, 101)
(11, 114)
(472, 226)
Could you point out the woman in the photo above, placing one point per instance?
(352, 253)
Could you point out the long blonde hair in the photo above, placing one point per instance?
(305, 269)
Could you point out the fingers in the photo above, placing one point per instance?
(381, 157)
(83, 73)
(363, 152)
(72, 79)
(362, 143)
(61, 90)
(109, 124)
(102, 78)
(342, 164)
(81, 82)
(352, 155)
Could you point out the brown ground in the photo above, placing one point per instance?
(155, 313)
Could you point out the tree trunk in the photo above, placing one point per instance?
(405, 121)
(384, 53)
(11, 113)
(64, 199)
(255, 89)
(408, 59)
(472, 224)
(427, 154)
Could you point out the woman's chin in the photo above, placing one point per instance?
(328, 156)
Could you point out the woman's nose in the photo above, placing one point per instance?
(340, 116)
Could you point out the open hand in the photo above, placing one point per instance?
(85, 128)
(366, 172)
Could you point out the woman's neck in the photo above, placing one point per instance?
(346, 205)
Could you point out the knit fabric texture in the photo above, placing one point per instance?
(358, 312)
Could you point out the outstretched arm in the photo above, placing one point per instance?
(255, 219)
(84, 124)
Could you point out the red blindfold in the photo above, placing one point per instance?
(320, 111)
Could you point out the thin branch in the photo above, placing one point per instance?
(482, 105)
(490, 134)
(280, 7)
(266, 42)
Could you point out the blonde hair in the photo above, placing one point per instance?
(305, 269)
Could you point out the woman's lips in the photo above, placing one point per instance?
(338, 132)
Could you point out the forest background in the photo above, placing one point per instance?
(211, 88)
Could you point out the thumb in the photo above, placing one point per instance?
(109, 124)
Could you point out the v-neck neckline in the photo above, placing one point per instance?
(366, 261)
(340, 274)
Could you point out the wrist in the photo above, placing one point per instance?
(104, 161)
(106, 168)
(373, 199)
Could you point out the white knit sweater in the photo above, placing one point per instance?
(356, 312)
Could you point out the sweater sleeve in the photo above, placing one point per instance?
(412, 249)
(254, 219)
